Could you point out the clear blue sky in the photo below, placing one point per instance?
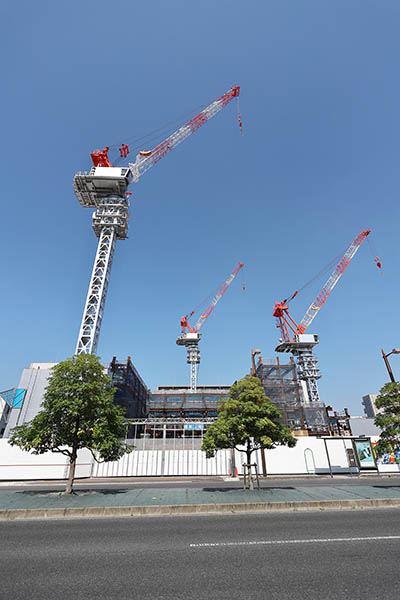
(318, 162)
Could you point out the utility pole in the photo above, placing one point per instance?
(385, 358)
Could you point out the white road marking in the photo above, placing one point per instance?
(307, 541)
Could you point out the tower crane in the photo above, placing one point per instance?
(293, 336)
(104, 188)
(191, 337)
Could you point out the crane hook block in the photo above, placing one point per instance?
(235, 90)
(100, 158)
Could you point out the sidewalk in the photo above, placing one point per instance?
(183, 500)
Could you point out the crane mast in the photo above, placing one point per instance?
(191, 338)
(295, 340)
(104, 188)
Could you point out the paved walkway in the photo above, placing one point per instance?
(281, 492)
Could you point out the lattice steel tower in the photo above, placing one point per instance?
(104, 188)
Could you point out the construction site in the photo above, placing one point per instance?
(180, 414)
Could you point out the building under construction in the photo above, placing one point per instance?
(285, 390)
(181, 402)
(132, 393)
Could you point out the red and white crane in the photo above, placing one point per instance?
(293, 336)
(105, 189)
(191, 337)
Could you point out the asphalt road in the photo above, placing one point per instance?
(319, 555)
(213, 482)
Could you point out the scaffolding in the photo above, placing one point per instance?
(168, 434)
(283, 388)
(182, 402)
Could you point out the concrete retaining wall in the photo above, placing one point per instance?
(15, 464)
(308, 457)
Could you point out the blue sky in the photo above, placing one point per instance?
(318, 163)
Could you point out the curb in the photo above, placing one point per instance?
(190, 509)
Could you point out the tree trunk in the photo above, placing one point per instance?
(248, 454)
(71, 475)
(263, 462)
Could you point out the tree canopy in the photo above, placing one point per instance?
(77, 412)
(389, 419)
(247, 421)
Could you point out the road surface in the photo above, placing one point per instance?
(318, 555)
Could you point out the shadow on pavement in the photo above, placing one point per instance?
(240, 488)
(105, 492)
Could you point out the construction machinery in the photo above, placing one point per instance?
(190, 335)
(104, 188)
(294, 338)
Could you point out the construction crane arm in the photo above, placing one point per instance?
(147, 158)
(217, 298)
(332, 281)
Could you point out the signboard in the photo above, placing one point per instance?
(193, 426)
(365, 455)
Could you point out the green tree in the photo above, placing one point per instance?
(247, 419)
(77, 412)
(389, 420)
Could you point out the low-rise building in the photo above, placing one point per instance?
(34, 382)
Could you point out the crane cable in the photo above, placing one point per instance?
(210, 296)
(319, 274)
(153, 135)
(330, 265)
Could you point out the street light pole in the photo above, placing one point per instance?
(385, 358)
(253, 362)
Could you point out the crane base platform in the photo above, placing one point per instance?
(101, 182)
(299, 343)
(188, 339)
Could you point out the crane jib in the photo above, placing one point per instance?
(217, 297)
(144, 163)
(332, 281)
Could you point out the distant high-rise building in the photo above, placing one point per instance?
(369, 405)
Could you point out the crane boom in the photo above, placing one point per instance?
(332, 281)
(217, 297)
(105, 189)
(146, 159)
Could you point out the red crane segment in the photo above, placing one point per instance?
(212, 305)
(147, 158)
(281, 309)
